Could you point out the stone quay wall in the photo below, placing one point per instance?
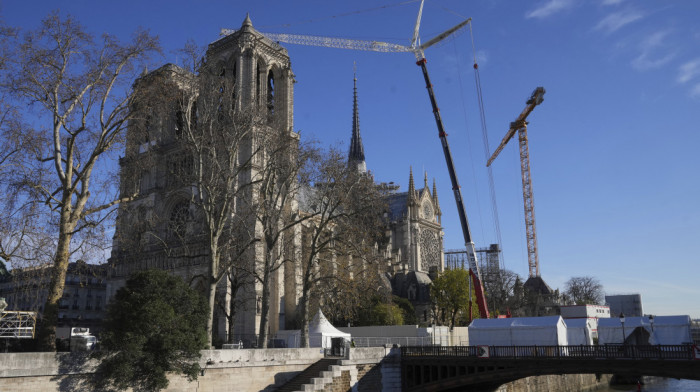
(224, 370)
(558, 383)
(363, 370)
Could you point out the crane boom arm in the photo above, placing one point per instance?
(535, 99)
(332, 42)
(358, 44)
(461, 211)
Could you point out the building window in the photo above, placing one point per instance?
(179, 217)
(270, 93)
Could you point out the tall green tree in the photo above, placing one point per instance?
(450, 295)
(155, 325)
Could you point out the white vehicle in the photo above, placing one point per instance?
(81, 340)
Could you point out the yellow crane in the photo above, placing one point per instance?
(520, 125)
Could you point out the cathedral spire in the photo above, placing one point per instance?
(247, 23)
(356, 157)
(436, 203)
(425, 181)
(411, 185)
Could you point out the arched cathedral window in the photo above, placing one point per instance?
(270, 92)
(234, 79)
(257, 85)
(179, 218)
(430, 249)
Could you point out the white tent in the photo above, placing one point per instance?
(321, 331)
(666, 330)
(519, 331)
(671, 330)
(580, 331)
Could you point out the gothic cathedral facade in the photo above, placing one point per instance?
(158, 228)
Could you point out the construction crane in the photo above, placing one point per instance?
(520, 125)
(418, 50)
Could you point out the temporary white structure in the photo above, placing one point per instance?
(580, 331)
(666, 330)
(671, 330)
(321, 331)
(518, 331)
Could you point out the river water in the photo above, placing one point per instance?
(658, 385)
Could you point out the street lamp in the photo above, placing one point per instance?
(622, 321)
(651, 321)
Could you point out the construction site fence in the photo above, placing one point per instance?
(251, 341)
(611, 351)
(362, 341)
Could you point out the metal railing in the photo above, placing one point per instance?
(673, 352)
(17, 324)
(379, 341)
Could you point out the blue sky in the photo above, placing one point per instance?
(613, 148)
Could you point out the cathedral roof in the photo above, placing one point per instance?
(397, 203)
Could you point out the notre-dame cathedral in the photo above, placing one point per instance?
(263, 77)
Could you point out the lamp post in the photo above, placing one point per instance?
(651, 321)
(622, 321)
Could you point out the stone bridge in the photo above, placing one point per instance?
(487, 367)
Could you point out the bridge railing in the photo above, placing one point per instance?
(680, 352)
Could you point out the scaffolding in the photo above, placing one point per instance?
(17, 324)
(489, 259)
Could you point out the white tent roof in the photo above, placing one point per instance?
(518, 331)
(321, 326)
(321, 331)
(666, 330)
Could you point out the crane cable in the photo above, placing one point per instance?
(469, 143)
(487, 149)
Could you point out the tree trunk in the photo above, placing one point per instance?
(233, 282)
(264, 309)
(212, 304)
(304, 317)
(47, 331)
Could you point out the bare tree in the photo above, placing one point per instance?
(346, 208)
(283, 168)
(218, 136)
(237, 300)
(499, 288)
(79, 87)
(584, 290)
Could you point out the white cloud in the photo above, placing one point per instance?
(617, 20)
(688, 71)
(549, 8)
(695, 92)
(649, 57)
